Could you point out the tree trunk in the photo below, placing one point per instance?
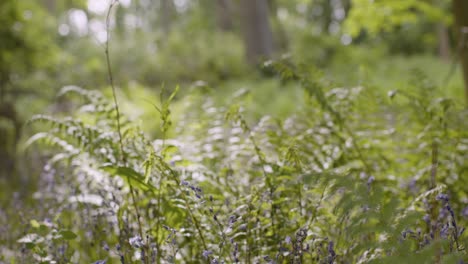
(9, 137)
(167, 11)
(327, 16)
(460, 11)
(347, 7)
(281, 38)
(258, 38)
(443, 42)
(51, 6)
(223, 13)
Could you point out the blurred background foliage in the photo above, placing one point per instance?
(171, 42)
(215, 49)
(48, 44)
(215, 46)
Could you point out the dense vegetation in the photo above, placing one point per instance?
(344, 142)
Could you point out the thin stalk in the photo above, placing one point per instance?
(221, 230)
(316, 90)
(119, 128)
(158, 223)
(269, 185)
(265, 175)
(171, 173)
(434, 164)
(358, 150)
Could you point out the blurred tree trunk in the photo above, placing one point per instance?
(51, 6)
(327, 16)
(120, 20)
(223, 14)
(281, 40)
(347, 7)
(10, 132)
(443, 42)
(258, 37)
(460, 11)
(167, 11)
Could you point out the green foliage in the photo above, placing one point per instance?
(45, 235)
(297, 166)
(25, 45)
(405, 27)
(316, 187)
(189, 61)
(382, 15)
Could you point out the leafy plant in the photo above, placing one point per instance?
(314, 188)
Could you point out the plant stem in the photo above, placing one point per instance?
(119, 128)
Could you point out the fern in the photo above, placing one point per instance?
(313, 188)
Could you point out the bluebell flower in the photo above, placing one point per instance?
(444, 231)
(236, 251)
(442, 197)
(232, 219)
(331, 251)
(465, 212)
(136, 242)
(370, 180)
(206, 253)
(427, 219)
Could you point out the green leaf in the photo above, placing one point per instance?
(173, 94)
(169, 150)
(148, 165)
(136, 179)
(67, 234)
(34, 223)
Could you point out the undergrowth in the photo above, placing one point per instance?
(353, 176)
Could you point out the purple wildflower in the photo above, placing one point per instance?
(464, 212)
(136, 242)
(427, 219)
(370, 180)
(331, 251)
(206, 253)
(442, 197)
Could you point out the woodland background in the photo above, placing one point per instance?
(235, 131)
